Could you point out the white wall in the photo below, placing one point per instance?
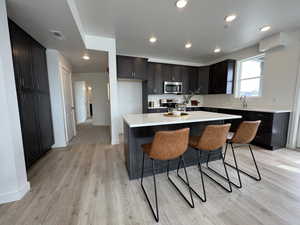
(55, 62)
(13, 178)
(99, 98)
(130, 99)
(279, 77)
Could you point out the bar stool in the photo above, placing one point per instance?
(213, 138)
(167, 145)
(244, 135)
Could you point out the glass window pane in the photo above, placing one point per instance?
(250, 87)
(251, 68)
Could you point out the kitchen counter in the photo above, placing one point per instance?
(254, 109)
(140, 129)
(157, 119)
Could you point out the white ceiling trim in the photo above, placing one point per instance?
(100, 43)
(76, 17)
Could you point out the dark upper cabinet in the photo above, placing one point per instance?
(40, 73)
(131, 67)
(167, 72)
(193, 79)
(21, 47)
(203, 80)
(154, 78)
(221, 76)
(199, 80)
(185, 79)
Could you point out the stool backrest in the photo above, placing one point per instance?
(213, 137)
(246, 132)
(169, 145)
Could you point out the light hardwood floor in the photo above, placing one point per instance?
(88, 185)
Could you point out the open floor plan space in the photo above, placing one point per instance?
(144, 112)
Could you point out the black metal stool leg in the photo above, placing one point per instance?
(247, 174)
(181, 160)
(156, 215)
(203, 199)
(220, 175)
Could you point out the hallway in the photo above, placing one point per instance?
(89, 134)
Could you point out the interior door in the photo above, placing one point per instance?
(80, 101)
(68, 104)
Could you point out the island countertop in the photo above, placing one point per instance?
(156, 119)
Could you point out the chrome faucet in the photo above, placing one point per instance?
(244, 101)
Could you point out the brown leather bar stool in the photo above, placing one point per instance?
(244, 135)
(167, 145)
(213, 138)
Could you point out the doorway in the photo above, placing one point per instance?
(92, 105)
(70, 127)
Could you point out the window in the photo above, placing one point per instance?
(249, 77)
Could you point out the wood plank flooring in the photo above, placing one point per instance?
(88, 185)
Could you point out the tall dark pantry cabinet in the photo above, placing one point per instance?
(31, 75)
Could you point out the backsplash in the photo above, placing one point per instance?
(156, 98)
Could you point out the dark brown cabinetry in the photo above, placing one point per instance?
(199, 80)
(31, 77)
(131, 67)
(221, 76)
(154, 78)
(272, 133)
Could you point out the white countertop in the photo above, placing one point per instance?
(255, 109)
(156, 119)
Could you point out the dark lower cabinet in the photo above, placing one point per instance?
(273, 130)
(31, 76)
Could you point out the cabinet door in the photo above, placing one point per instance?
(140, 68)
(125, 67)
(203, 80)
(21, 48)
(176, 73)
(155, 82)
(29, 127)
(166, 72)
(193, 80)
(40, 72)
(43, 112)
(185, 72)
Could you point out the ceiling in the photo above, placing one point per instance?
(132, 22)
(39, 17)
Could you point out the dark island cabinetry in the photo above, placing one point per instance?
(31, 76)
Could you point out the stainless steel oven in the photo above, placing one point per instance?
(172, 87)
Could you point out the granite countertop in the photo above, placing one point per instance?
(156, 119)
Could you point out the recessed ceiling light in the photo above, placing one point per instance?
(188, 45)
(265, 28)
(230, 18)
(153, 39)
(217, 50)
(86, 57)
(181, 3)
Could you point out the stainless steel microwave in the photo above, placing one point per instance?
(172, 87)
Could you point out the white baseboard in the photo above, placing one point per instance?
(16, 195)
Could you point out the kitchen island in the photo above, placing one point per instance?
(140, 129)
